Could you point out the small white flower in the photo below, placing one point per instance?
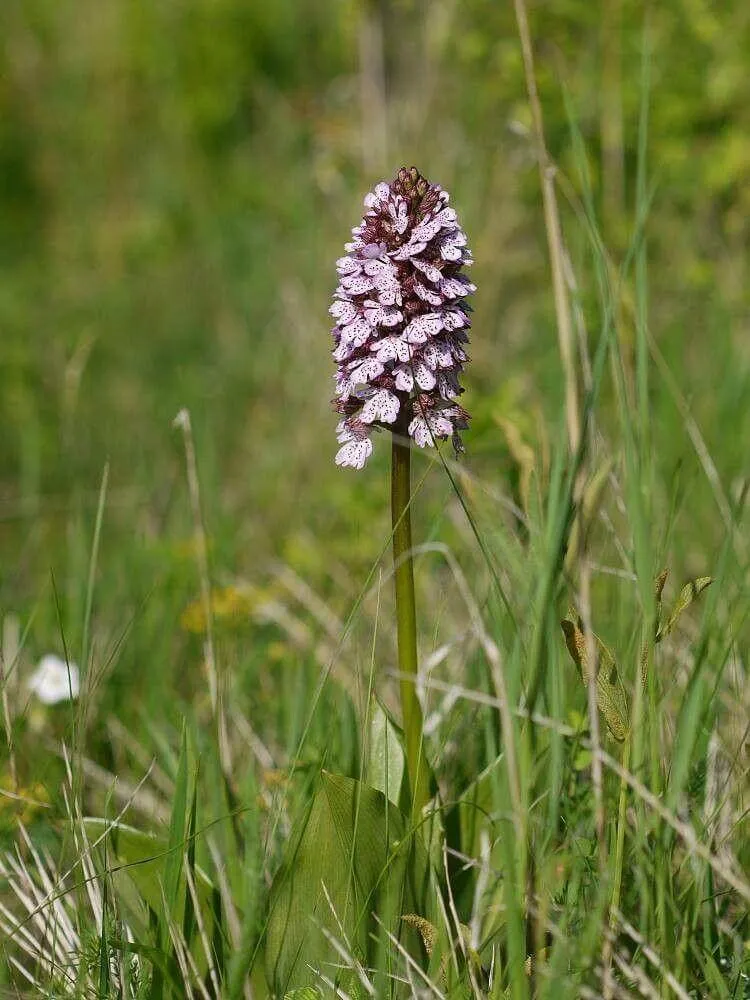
(427, 229)
(392, 349)
(383, 406)
(354, 453)
(431, 272)
(368, 370)
(54, 680)
(407, 375)
(424, 326)
(344, 311)
(423, 430)
(427, 295)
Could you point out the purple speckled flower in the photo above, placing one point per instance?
(401, 320)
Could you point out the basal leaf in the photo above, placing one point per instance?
(350, 856)
(386, 760)
(140, 858)
(174, 886)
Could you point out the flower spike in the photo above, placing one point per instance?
(401, 320)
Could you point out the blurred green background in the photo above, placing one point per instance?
(176, 181)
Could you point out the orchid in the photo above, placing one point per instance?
(401, 320)
(402, 324)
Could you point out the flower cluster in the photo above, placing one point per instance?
(401, 320)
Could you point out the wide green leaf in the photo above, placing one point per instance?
(386, 763)
(351, 856)
(141, 856)
(141, 859)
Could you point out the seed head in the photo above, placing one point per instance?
(402, 320)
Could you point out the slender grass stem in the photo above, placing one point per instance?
(406, 620)
(552, 225)
(622, 803)
(183, 422)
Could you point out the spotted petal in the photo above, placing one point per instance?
(368, 370)
(389, 293)
(379, 315)
(420, 432)
(404, 378)
(431, 272)
(422, 327)
(427, 229)
(440, 425)
(380, 194)
(391, 349)
(343, 310)
(407, 375)
(410, 249)
(448, 386)
(356, 333)
(447, 217)
(399, 213)
(432, 298)
(380, 269)
(354, 454)
(455, 319)
(382, 406)
(424, 377)
(454, 288)
(348, 265)
(357, 284)
(343, 432)
(450, 245)
(344, 386)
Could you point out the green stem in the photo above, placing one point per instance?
(406, 618)
(620, 837)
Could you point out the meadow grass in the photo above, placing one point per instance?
(231, 608)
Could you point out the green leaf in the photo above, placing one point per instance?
(386, 762)
(142, 854)
(104, 969)
(355, 845)
(610, 692)
(466, 820)
(174, 887)
(141, 858)
(477, 804)
(689, 593)
(188, 920)
(169, 970)
(687, 733)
